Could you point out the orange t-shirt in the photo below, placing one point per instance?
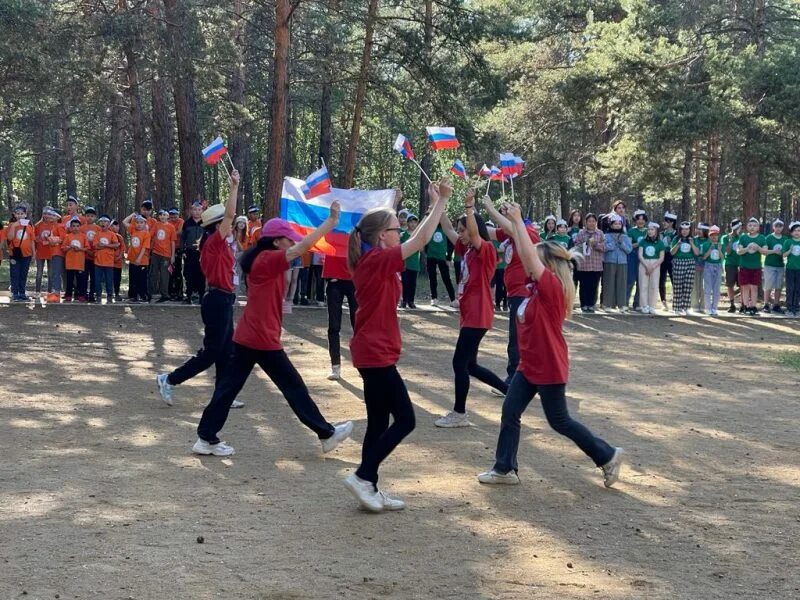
(90, 230)
(20, 237)
(43, 230)
(177, 223)
(55, 240)
(67, 218)
(119, 253)
(74, 259)
(2, 239)
(139, 240)
(252, 227)
(103, 255)
(163, 235)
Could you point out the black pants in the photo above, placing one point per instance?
(500, 297)
(299, 292)
(386, 396)
(409, 280)
(216, 310)
(444, 270)
(465, 364)
(314, 283)
(666, 268)
(280, 370)
(75, 282)
(176, 278)
(590, 281)
(89, 274)
(793, 290)
(195, 282)
(338, 290)
(137, 282)
(117, 280)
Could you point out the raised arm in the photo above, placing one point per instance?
(439, 193)
(312, 238)
(499, 219)
(522, 242)
(447, 228)
(226, 226)
(472, 225)
(126, 222)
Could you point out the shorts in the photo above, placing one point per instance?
(731, 275)
(773, 278)
(297, 263)
(749, 276)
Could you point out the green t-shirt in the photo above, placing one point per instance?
(774, 243)
(437, 247)
(562, 240)
(667, 237)
(412, 262)
(717, 252)
(731, 258)
(651, 249)
(573, 231)
(636, 234)
(792, 246)
(684, 248)
(751, 260)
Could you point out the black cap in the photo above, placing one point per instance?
(147, 204)
(173, 211)
(89, 210)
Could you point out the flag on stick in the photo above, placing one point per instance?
(317, 184)
(484, 171)
(403, 146)
(214, 151)
(442, 138)
(458, 169)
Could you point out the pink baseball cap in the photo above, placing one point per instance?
(278, 228)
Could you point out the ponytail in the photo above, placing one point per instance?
(250, 255)
(366, 233)
(353, 249)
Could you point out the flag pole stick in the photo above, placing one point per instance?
(224, 166)
(512, 190)
(322, 160)
(503, 184)
(233, 167)
(488, 183)
(421, 169)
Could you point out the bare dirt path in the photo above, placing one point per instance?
(100, 497)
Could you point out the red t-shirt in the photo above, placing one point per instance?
(474, 292)
(376, 339)
(260, 325)
(543, 356)
(335, 267)
(217, 262)
(515, 277)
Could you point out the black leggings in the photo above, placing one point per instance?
(500, 296)
(465, 363)
(666, 269)
(281, 371)
(385, 395)
(444, 270)
(337, 291)
(409, 279)
(590, 281)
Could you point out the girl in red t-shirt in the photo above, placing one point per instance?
(544, 361)
(376, 258)
(476, 306)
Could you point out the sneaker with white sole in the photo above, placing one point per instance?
(390, 503)
(237, 404)
(453, 419)
(336, 373)
(365, 493)
(497, 392)
(611, 468)
(454, 304)
(492, 477)
(340, 433)
(434, 302)
(164, 388)
(219, 449)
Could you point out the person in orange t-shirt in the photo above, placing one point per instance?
(138, 259)
(104, 246)
(119, 259)
(90, 229)
(75, 247)
(3, 241)
(55, 272)
(176, 277)
(163, 240)
(20, 240)
(72, 212)
(44, 251)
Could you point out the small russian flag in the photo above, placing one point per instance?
(519, 164)
(442, 138)
(317, 184)
(403, 146)
(507, 163)
(214, 151)
(495, 174)
(458, 169)
(484, 171)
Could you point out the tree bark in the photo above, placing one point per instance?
(240, 140)
(427, 159)
(138, 134)
(68, 150)
(280, 96)
(163, 146)
(699, 195)
(54, 166)
(115, 161)
(563, 192)
(751, 188)
(361, 93)
(7, 174)
(686, 183)
(40, 166)
(712, 178)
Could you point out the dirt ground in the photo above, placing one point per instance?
(101, 498)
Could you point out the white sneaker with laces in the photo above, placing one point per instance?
(340, 433)
(237, 404)
(218, 449)
(164, 388)
(492, 477)
(365, 493)
(336, 373)
(611, 468)
(390, 503)
(434, 302)
(454, 304)
(453, 419)
(497, 392)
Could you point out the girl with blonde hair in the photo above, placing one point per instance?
(544, 360)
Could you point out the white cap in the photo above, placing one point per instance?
(613, 217)
(777, 222)
(212, 214)
(654, 224)
(561, 222)
(670, 216)
(639, 213)
(794, 224)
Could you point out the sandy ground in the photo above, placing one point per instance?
(101, 498)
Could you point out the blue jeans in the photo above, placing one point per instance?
(554, 403)
(512, 349)
(712, 280)
(103, 276)
(19, 276)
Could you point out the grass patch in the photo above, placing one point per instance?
(790, 359)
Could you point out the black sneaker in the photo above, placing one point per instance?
(732, 308)
(188, 301)
(412, 306)
(766, 309)
(776, 308)
(162, 300)
(743, 309)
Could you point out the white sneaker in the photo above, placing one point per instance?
(341, 433)
(320, 303)
(497, 392)
(454, 304)
(390, 503)
(611, 468)
(683, 313)
(365, 493)
(219, 449)
(434, 302)
(495, 478)
(287, 307)
(713, 312)
(237, 404)
(336, 373)
(453, 419)
(164, 388)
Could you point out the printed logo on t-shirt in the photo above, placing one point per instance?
(75, 243)
(796, 250)
(715, 254)
(777, 247)
(136, 242)
(735, 246)
(104, 241)
(438, 237)
(685, 247)
(508, 253)
(45, 234)
(90, 234)
(650, 251)
(20, 233)
(161, 235)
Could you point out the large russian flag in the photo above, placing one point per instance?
(306, 214)
(214, 151)
(442, 138)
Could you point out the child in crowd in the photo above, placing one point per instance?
(241, 242)
(22, 251)
(791, 252)
(498, 281)
(651, 257)
(562, 237)
(163, 240)
(752, 245)
(119, 260)
(75, 247)
(411, 273)
(636, 233)
(549, 227)
(90, 229)
(138, 259)
(668, 234)
(701, 235)
(730, 243)
(615, 264)
(712, 252)
(774, 268)
(684, 250)
(575, 224)
(104, 245)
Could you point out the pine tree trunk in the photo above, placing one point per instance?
(240, 141)
(40, 166)
(280, 97)
(68, 151)
(563, 192)
(751, 187)
(163, 146)
(115, 161)
(7, 174)
(54, 166)
(712, 177)
(361, 93)
(138, 135)
(686, 184)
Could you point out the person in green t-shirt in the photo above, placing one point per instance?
(730, 243)
(683, 252)
(437, 258)
(651, 256)
(752, 245)
(411, 272)
(562, 238)
(774, 268)
(549, 227)
(575, 224)
(712, 251)
(636, 233)
(668, 234)
(791, 252)
(498, 281)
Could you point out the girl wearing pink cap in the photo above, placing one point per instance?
(257, 339)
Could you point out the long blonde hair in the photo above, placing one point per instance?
(367, 231)
(560, 261)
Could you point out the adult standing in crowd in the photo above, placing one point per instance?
(591, 243)
(668, 234)
(730, 243)
(436, 258)
(190, 246)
